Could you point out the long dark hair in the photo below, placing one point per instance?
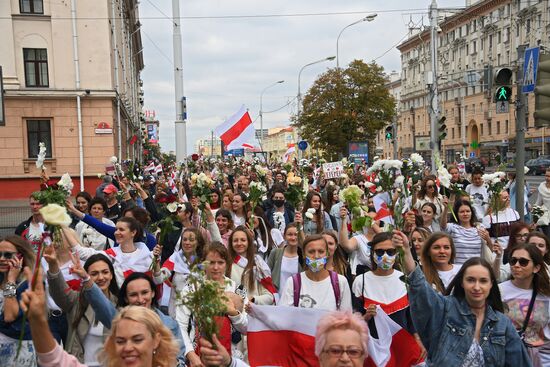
(24, 248)
(457, 206)
(456, 289)
(264, 229)
(515, 228)
(133, 225)
(319, 212)
(541, 280)
(546, 241)
(113, 286)
(123, 302)
(429, 269)
(424, 186)
(250, 256)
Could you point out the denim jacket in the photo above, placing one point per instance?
(105, 312)
(446, 327)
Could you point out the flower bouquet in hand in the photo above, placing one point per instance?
(256, 194)
(541, 215)
(352, 197)
(388, 179)
(445, 180)
(205, 300)
(201, 189)
(495, 183)
(296, 192)
(412, 172)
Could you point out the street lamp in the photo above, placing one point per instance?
(262, 114)
(368, 18)
(299, 97)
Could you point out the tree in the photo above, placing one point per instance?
(345, 105)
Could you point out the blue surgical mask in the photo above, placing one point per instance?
(316, 265)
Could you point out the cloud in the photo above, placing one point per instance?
(228, 62)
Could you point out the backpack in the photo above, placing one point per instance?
(297, 282)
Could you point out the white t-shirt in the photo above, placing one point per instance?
(289, 267)
(448, 275)
(317, 294)
(505, 217)
(93, 342)
(516, 303)
(479, 198)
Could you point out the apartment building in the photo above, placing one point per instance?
(71, 77)
(484, 34)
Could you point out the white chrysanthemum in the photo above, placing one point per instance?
(172, 207)
(114, 160)
(41, 155)
(444, 177)
(399, 180)
(417, 159)
(66, 183)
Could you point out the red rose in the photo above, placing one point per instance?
(195, 157)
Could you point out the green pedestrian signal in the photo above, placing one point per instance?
(389, 132)
(503, 94)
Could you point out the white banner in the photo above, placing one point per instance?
(333, 169)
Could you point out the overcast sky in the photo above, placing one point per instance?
(228, 61)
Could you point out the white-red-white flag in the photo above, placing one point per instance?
(158, 169)
(237, 131)
(150, 167)
(289, 153)
(380, 202)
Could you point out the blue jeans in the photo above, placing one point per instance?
(57, 321)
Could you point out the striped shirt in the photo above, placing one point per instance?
(467, 242)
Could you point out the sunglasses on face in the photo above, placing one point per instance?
(430, 186)
(337, 351)
(381, 252)
(8, 255)
(522, 235)
(523, 262)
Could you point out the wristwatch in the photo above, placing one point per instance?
(10, 290)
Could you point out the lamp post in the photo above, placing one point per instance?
(299, 96)
(368, 18)
(262, 114)
(413, 128)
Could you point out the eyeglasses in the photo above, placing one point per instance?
(389, 251)
(337, 351)
(430, 186)
(523, 262)
(7, 255)
(522, 235)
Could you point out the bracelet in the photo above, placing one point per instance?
(86, 280)
(10, 290)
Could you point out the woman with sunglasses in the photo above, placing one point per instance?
(428, 194)
(519, 232)
(15, 253)
(382, 286)
(530, 285)
(466, 327)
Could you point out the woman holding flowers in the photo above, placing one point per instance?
(500, 216)
(315, 218)
(88, 235)
(248, 270)
(467, 235)
(262, 233)
(240, 208)
(85, 335)
(176, 269)
(129, 256)
(217, 262)
(428, 194)
(15, 253)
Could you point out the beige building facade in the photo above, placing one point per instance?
(486, 33)
(278, 140)
(71, 77)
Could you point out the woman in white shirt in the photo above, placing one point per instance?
(428, 194)
(438, 256)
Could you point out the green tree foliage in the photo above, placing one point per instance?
(346, 105)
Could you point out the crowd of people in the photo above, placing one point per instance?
(464, 276)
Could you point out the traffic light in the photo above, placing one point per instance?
(389, 132)
(542, 92)
(442, 128)
(503, 94)
(503, 79)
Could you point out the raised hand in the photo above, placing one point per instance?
(77, 267)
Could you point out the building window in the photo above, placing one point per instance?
(481, 129)
(489, 127)
(31, 6)
(36, 67)
(453, 133)
(498, 127)
(506, 127)
(39, 131)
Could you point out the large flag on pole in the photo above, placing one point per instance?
(288, 154)
(237, 131)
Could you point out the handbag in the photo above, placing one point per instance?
(528, 316)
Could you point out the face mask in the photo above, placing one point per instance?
(278, 203)
(385, 262)
(316, 265)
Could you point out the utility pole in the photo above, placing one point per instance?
(181, 133)
(434, 101)
(521, 102)
(394, 127)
